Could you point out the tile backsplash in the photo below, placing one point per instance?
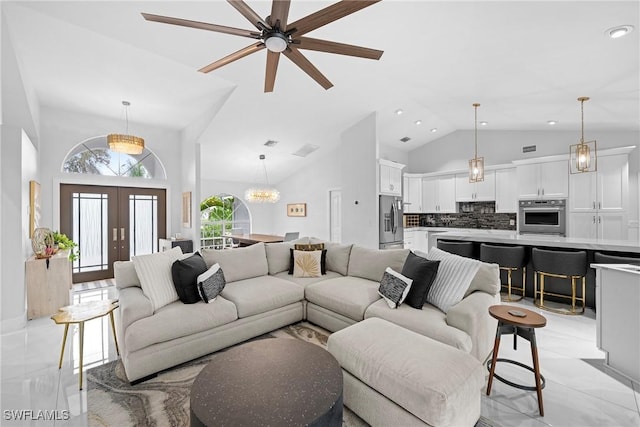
(479, 215)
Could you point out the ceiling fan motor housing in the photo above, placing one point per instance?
(276, 41)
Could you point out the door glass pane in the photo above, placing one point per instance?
(143, 224)
(90, 231)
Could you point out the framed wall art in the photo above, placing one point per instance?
(34, 206)
(186, 209)
(297, 209)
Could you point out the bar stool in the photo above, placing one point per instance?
(601, 258)
(464, 249)
(510, 259)
(560, 264)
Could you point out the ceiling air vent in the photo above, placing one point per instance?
(405, 139)
(270, 143)
(306, 150)
(528, 148)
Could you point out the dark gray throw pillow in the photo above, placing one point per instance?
(184, 273)
(211, 283)
(423, 272)
(394, 287)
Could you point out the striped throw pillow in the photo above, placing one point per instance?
(455, 274)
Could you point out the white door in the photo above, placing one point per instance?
(528, 185)
(554, 180)
(582, 192)
(413, 195)
(583, 225)
(612, 226)
(613, 178)
(486, 190)
(447, 194)
(335, 215)
(506, 190)
(429, 195)
(464, 189)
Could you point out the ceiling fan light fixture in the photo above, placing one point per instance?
(276, 42)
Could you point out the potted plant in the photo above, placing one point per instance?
(65, 243)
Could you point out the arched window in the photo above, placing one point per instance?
(221, 216)
(93, 156)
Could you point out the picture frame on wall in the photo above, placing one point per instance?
(297, 209)
(186, 209)
(34, 206)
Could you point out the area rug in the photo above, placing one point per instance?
(164, 400)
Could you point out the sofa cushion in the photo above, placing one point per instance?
(394, 287)
(429, 322)
(261, 294)
(278, 256)
(338, 257)
(125, 274)
(239, 263)
(306, 281)
(371, 263)
(184, 273)
(487, 279)
(154, 271)
(178, 320)
(455, 274)
(423, 272)
(348, 296)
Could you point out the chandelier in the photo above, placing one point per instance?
(476, 165)
(125, 143)
(264, 194)
(583, 157)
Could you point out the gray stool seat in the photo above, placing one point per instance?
(601, 258)
(559, 264)
(464, 249)
(509, 258)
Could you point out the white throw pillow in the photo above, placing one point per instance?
(394, 287)
(455, 274)
(154, 272)
(307, 263)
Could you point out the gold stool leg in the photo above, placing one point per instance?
(509, 284)
(81, 351)
(584, 295)
(115, 337)
(542, 290)
(573, 294)
(64, 342)
(535, 286)
(524, 281)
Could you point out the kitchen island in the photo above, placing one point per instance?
(591, 246)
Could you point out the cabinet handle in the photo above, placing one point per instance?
(594, 205)
(391, 187)
(543, 191)
(538, 191)
(599, 219)
(594, 219)
(599, 205)
(122, 233)
(115, 234)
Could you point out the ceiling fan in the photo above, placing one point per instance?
(278, 36)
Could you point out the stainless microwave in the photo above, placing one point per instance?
(543, 216)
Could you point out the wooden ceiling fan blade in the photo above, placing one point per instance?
(339, 48)
(327, 15)
(280, 12)
(201, 25)
(272, 67)
(301, 61)
(250, 14)
(233, 57)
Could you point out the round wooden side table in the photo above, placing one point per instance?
(517, 321)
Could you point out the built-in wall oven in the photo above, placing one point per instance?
(543, 217)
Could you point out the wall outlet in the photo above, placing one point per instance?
(512, 222)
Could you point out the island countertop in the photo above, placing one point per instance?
(513, 238)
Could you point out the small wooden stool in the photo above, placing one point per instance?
(523, 326)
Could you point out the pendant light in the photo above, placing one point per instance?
(476, 165)
(125, 143)
(265, 194)
(582, 156)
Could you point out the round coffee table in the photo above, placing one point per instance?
(273, 381)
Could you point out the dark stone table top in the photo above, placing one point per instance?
(269, 382)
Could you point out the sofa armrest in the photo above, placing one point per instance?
(134, 305)
(472, 316)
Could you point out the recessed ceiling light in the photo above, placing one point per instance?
(418, 122)
(434, 130)
(484, 123)
(552, 122)
(619, 31)
(399, 111)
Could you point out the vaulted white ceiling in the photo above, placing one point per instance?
(526, 62)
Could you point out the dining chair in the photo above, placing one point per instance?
(291, 236)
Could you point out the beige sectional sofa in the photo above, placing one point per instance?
(260, 296)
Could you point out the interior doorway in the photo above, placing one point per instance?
(110, 224)
(335, 215)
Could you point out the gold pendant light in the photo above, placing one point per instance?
(265, 194)
(476, 165)
(583, 156)
(125, 143)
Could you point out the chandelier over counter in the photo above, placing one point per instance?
(476, 165)
(264, 194)
(125, 143)
(583, 156)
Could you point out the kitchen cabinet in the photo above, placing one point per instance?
(412, 194)
(483, 191)
(506, 190)
(439, 194)
(598, 225)
(390, 177)
(409, 238)
(548, 180)
(420, 241)
(48, 284)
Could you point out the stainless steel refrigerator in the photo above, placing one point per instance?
(391, 231)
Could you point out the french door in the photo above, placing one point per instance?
(110, 224)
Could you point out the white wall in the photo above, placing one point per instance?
(359, 175)
(311, 186)
(391, 153)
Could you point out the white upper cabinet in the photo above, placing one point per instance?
(412, 194)
(606, 190)
(439, 194)
(390, 177)
(549, 180)
(506, 190)
(475, 191)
